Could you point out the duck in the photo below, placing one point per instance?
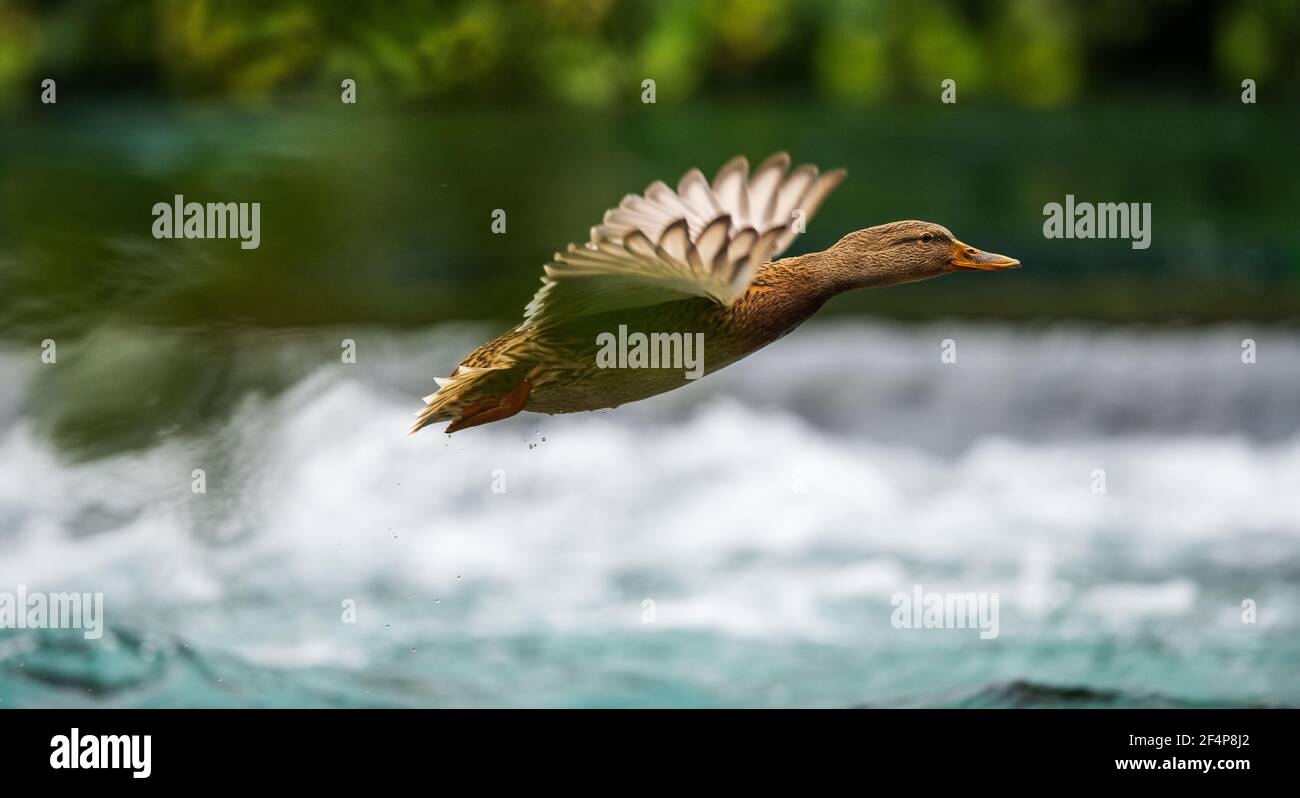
(700, 260)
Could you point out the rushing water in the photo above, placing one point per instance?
(770, 512)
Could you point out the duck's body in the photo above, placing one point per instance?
(561, 362)
(708, 277)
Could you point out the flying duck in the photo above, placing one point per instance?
(698, 262)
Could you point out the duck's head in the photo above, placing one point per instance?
(904, 252)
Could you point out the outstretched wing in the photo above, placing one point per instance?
(701, 240)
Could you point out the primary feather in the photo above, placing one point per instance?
(701, 240)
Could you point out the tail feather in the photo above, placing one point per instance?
(464, 387)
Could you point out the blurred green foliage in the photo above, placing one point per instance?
(596, 53)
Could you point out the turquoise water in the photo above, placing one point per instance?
(770, 512)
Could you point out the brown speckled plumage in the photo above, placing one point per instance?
(709, 274)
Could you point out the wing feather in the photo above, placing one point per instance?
(701, 240)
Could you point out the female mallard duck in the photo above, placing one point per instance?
(710, 273)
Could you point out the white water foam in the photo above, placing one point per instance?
(746, 510)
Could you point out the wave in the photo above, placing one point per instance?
(1021, 694)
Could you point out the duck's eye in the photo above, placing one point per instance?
(928, 237)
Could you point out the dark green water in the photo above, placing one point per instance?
(384, 217)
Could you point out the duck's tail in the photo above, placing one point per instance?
(472, 396)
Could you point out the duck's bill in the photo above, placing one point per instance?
(970, 258)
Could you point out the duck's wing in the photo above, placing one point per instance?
(701, 240)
